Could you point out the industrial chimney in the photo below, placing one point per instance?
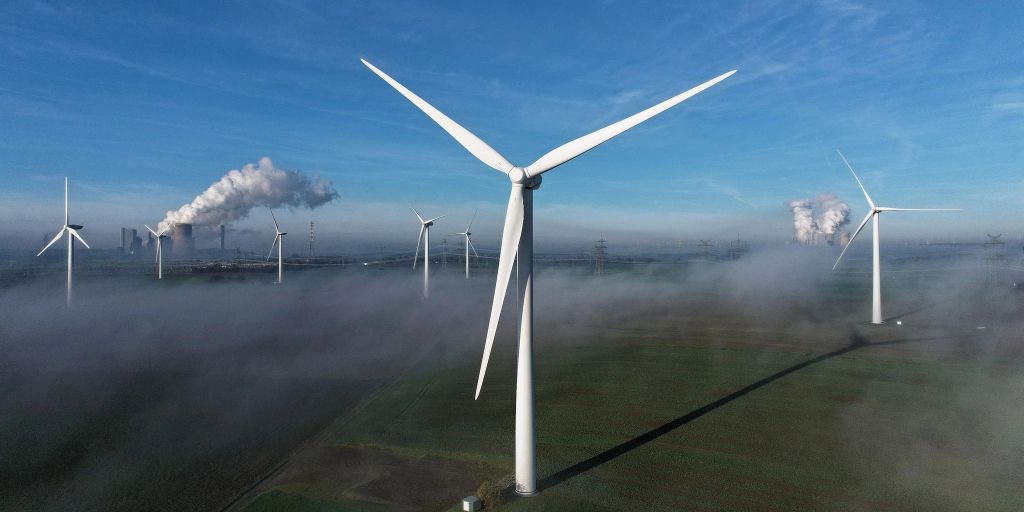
(222, 240)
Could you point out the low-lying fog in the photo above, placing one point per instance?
(177, 395)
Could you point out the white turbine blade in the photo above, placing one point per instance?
(852, 238)
(471, 246)
(568, 151)
(75, 234)
(419, 239)
(509, 247)
(436, 218)
(418, 216)
(862, 189)
(471, 219)
(277, 229)
(151, 231)
(59, 233)
(886, 209)
(472, 143)
(66, 218)
(276, 238)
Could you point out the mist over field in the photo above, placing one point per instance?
(179, 395)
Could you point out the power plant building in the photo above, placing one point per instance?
(130, 241)
(183, 243)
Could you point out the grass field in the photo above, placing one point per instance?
(693, 403)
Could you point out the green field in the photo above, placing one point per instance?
(670, 405)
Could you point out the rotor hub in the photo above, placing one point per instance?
(519, 176)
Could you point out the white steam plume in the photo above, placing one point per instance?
(831, 212)
(834, 213)
(803, 220)
(241, 190)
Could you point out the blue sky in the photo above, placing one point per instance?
(144, 106)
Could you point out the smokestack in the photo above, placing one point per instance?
(184, 244)
(135, 244)
(123, 235)
(130, 237)
(222, 240)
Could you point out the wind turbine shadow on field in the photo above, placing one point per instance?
(856, 342)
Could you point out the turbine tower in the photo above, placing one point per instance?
(469, 244)
(160, 252)
(425, 238)
(876, 271)
(72, 231)
(279, 242)
(517, 245)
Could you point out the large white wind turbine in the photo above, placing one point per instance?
(517, 245)
(425, 238)
(72, 231)
(469, 243)
(159, 251)
(876, 272)
(279, 242)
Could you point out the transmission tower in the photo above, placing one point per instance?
(599, 252)
(444, 253)
(994, 245)
(738, 248)
(706, 246)
(311, 238)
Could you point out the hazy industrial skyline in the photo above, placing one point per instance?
(926, 103)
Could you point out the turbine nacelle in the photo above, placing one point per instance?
(75, 226)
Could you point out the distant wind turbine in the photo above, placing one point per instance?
(469, 244)
(517, 245)
(72, 231)
(425, 238)
(279, 242)
(159, 251)
(876, 271)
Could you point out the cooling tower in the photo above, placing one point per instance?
(184, 244)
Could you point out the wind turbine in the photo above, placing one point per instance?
(279, 242)
(159, 251)
(517, 244)
(876, 272)
(72, 231)
(425, 238)
(469, 244)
